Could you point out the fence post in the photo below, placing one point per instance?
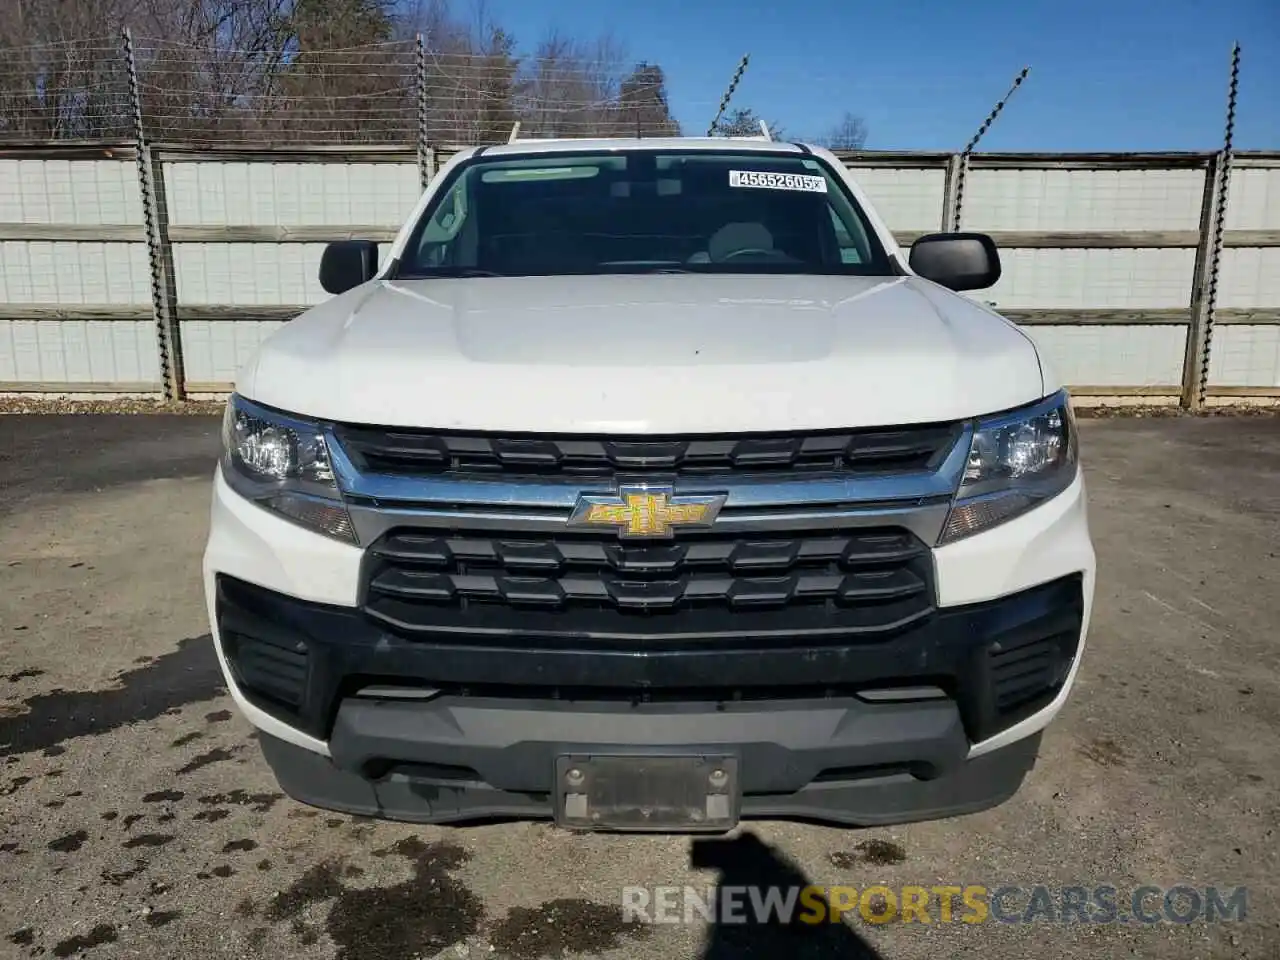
(951, 192)
(1197, 339)
(160, 259)
(1213, 221)
(425, 154)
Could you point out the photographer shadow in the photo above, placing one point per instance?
(746, 861)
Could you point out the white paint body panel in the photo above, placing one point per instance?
(251, 543)
(646, 354)
(1044, 544)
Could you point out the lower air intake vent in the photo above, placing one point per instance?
(274, 671)
(1028, 674)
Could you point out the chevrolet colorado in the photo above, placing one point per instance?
(649, 485)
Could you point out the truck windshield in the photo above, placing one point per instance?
(642, 211)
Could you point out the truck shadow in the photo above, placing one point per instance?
(165, 684)
(746, 861)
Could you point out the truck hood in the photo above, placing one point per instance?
(682, 353)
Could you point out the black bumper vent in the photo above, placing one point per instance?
(273, 669)
(1024, 667)
(428, 453)
(1028, 672)
(593, 584)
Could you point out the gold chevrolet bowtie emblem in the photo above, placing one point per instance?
(646, 511)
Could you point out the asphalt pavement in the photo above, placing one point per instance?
(137, 818)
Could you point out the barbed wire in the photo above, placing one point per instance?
(78, 89)
(369, 93)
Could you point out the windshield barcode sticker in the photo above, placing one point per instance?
(777, 181)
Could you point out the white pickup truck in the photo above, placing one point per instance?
(648, 485)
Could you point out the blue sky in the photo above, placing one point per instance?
(1119, 75)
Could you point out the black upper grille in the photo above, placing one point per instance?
(700, 583)
(415, 452)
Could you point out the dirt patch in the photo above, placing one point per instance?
(70, 843)
(148, 840)
(163, 796)
(216, 755)
(878, 853)
(102, 933)
(419, 917)
(258, 802)
(1103, 751)
(562, 927)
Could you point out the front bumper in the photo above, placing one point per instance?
(819, 730)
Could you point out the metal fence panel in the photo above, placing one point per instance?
(1255, 198)
(242, 274)
(214, 193)
(45, 272)
(1246, 353)
(1250, 278)
(73, 241)
(1075, 277)
(216, 349)
(1118, 356)
(1246, 356)
(1052, 199)
(909, 200)
(72, 355)
(69, 191)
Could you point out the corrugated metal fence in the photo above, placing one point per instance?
(1107, 257)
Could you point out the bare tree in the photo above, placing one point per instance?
(569, 86)
(642, 103)
(336, 70)
(743, 122)
(60, 70)
(850, 133)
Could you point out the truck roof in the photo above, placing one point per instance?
(738, 144)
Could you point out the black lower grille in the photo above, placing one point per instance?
(700, 583)
(960, 650)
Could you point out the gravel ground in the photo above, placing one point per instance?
(137, 818)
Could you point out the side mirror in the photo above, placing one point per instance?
(347, 264)
(958, 261)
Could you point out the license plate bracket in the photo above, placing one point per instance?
(641, 793)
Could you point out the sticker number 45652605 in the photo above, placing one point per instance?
(777, 181)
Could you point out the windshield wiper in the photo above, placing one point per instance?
(448, 273)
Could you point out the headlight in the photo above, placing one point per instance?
(1016, 461)
(281, 462)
